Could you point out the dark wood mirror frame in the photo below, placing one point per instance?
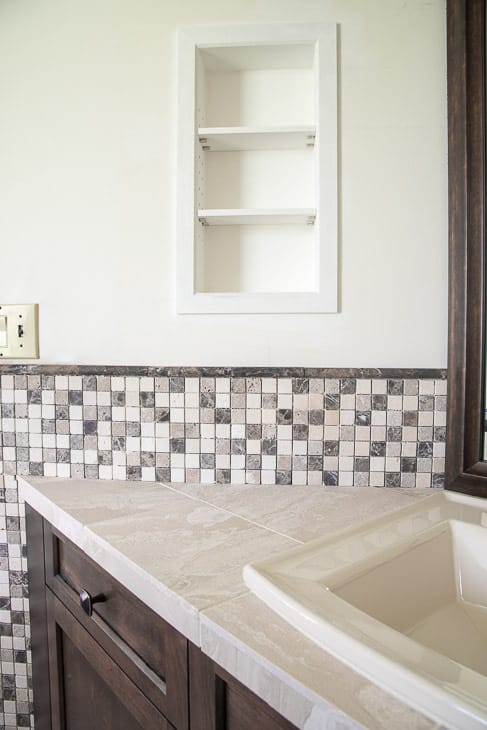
(466, 471)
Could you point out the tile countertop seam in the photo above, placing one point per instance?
(194, 580)
(255, 523)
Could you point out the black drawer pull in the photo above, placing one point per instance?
(87, 601)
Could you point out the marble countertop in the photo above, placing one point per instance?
(181, 550)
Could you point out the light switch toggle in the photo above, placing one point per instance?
(19, 331)
(3, 332)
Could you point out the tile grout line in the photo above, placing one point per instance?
(234, 514)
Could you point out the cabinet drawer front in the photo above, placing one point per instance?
(87, 688)
(150, 651)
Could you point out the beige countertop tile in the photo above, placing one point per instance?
(191, 547)
(304, 513)
(93, 500)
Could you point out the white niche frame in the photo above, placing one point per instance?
(194, 139)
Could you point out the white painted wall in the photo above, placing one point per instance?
(87, 193)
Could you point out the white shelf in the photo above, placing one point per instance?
(225, 139)
(247, 216)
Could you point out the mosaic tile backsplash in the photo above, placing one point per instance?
(287, 426)
(257, 430)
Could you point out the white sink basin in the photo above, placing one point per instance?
(401, 599)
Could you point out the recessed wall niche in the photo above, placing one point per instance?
(257, 169)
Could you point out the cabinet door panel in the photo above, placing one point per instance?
(88, 702)
(88, 690)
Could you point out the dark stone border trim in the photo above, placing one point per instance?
(235, 372)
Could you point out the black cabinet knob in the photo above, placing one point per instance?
(87, 601)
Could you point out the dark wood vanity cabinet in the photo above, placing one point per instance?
(122, 667)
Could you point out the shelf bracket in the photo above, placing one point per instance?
(204, 143)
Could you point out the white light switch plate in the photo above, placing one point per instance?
(19, 337)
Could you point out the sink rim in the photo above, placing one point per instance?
(433, 683)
